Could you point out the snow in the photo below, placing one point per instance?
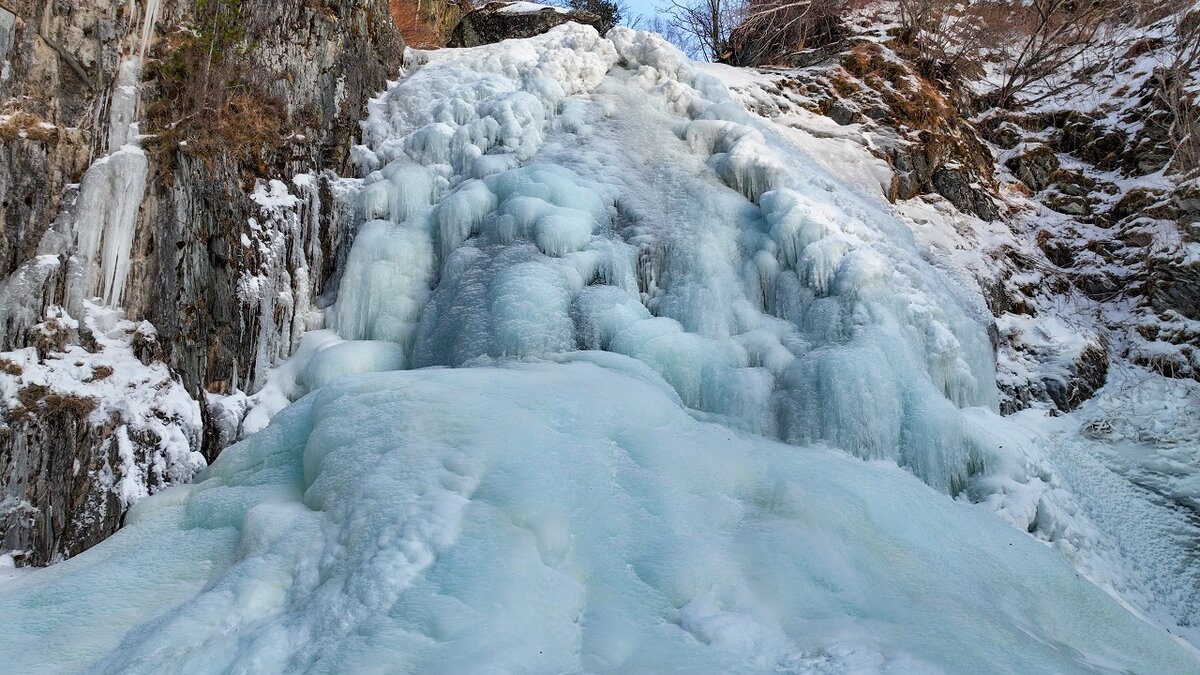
(559, 518)
(528, 8)
(124, 392)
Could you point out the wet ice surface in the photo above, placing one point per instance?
(618, 508)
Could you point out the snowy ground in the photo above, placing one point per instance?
(667, 282)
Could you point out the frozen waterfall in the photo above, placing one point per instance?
(507, 215)
(604, 294)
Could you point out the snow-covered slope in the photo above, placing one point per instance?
(636, 284)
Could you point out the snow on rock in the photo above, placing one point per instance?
(564, 518)
(529, 8)
(146, 425)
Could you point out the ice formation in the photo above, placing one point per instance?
(107, 207)
(653, 217)
(558, 518)
(635, 285)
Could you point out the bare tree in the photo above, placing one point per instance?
(704, 26)
(776, 30)
(1178, 91)
(1053, 36)
(657, 23)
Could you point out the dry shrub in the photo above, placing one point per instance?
(867, 61)
(100, 373)
(10, 367)
(38, 400)
(919, 106)
(778, 31)
(51, 336)
(843, 86)
(25, 125)
(211, 98)
(913, 101)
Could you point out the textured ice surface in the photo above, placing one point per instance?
(109, 196)
(558, 518)
(569, 191)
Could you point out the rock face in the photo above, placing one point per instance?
(1034, 167)
(225, 264)
(498, 21)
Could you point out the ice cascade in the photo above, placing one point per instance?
(110, 194)
(509, 216)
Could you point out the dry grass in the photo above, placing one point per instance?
(867, 61)
(51, 337)
(39, 400)
(912, 99)
(843, 86)
(100, 373)
(9, 367)
(24, 125)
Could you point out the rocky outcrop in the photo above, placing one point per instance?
(1034, 168)
(225, 281)
(498, 21)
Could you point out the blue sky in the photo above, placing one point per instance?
(646, 7)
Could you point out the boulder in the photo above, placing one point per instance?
(1072, 183)
(1086, 373)
(1034, 167)
(1070, 205)
(965, 193)
(498, 21)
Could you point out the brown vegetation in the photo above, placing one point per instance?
(10, 367)
(211, 100)
(42, 400)
(24, 125)
(100, 373)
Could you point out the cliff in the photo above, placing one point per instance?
(150, 266)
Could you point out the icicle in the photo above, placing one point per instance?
(151, 13)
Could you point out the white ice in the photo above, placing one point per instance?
(110, 194)
(525, 203)
(558, 518)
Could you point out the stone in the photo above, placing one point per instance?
(1034, 167)
(1087, 373)
(958, 187)
(1069, 204)
(1072, 183)
(320, 62)
(491, 23)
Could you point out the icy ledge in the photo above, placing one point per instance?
(558, 518)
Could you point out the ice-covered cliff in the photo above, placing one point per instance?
(639, 289)
(138, 272)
